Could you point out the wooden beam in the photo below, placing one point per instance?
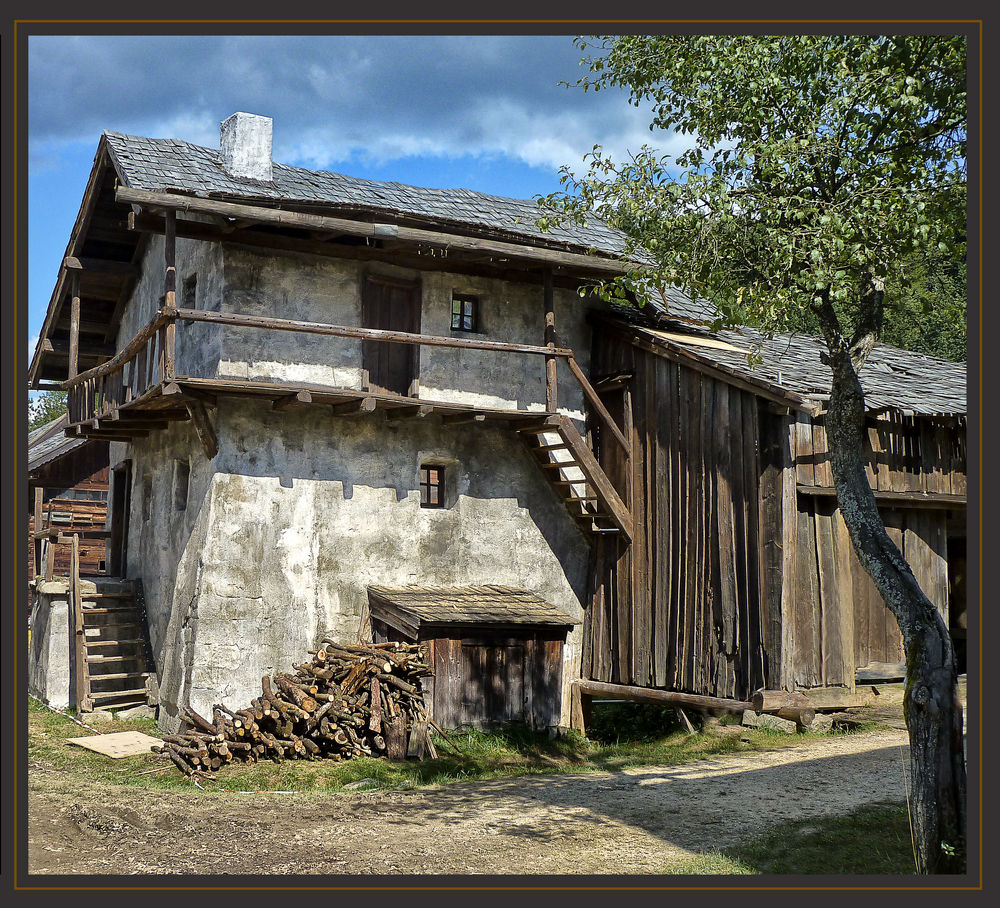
(913, 499)
(310, 222)
(203, 426)
(375, 334)
(593, 398)
(459, 419)
(101, 266)
(292, 401)
(603, 690)
(138, 416)
(551, 387)
(92, 349)
(359, 405)
(418, 411)
(74, 325)
(108, 422)
(170, 293)
(105, 434)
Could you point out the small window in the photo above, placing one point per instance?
(189, 291)
(182, 473)
(464, 313)
(431, 486)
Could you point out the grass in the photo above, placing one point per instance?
(871, 840)
(623, 736)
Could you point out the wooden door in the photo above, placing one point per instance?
(390, 306)
(492, 682)
(121, 496)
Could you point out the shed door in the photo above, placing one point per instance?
(492, 683)
(390, 306)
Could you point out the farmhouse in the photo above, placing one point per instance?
(367, 409)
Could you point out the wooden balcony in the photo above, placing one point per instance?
(138, 391)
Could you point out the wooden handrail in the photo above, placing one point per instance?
(170, 316)
(595, 401)
(122, 356)
(376, 334)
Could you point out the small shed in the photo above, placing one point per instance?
(496, 652)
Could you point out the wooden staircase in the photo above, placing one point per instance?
(573, 470)
(111, 645)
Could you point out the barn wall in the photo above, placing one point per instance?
(681, 607)
(836, 621)
(69, 514)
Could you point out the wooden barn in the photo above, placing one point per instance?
(68, 482)
(741, 575)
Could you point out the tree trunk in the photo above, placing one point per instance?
(931, 706)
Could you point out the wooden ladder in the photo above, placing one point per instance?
(111, 645)
(573, 470)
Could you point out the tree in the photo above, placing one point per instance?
(819, 166)
(44, 408)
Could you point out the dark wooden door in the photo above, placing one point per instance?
(121, 491)
(390, 306)
(492, 683)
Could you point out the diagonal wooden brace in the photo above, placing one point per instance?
(203, 426)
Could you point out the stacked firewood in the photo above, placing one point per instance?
(351, 700)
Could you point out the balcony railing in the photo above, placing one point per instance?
(148, 361)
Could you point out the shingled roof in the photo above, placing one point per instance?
(892, 378)
(408, 608)
(170, 165)
(49, 442)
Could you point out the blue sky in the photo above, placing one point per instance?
(482, 112)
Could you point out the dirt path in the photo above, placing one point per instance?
(635, 821)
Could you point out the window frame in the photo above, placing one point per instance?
(424, 484)
(468, 323)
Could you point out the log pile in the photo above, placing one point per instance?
(351, 700)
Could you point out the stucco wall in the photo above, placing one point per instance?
(299, 512)
(328, 290)
(199, 278)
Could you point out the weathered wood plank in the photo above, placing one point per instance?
(804, 450)
(807, 626)
(833, 668)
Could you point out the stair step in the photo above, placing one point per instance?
(556, 464)
(109, 610)
(119, 676)
(111, 694)
(89, 643)
(101, 627)
(102, 659)
(581, 498)
(537, 430)
(108, 596)
(562, 447)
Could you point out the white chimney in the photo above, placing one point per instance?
(245, 144)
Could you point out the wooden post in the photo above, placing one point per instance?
(36, 528)
(74, 325)
(551, 391)
(83, 703)
(170, 292)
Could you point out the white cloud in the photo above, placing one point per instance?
(332, 98)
